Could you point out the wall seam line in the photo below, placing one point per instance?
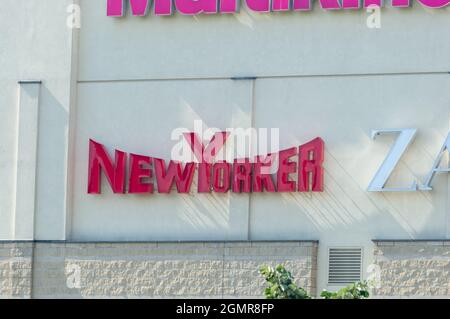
(275, 76)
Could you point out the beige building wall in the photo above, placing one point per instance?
(402, 269)
(16, 269)
(150, 270)
(419, 269)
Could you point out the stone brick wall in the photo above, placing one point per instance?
(15, 269)
(153, 270)
(418, 269)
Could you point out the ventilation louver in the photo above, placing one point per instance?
(344, 265)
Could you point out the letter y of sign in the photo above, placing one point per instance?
(206, 154)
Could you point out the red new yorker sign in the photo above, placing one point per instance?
(146, 174)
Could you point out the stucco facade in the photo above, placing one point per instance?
(129, 82)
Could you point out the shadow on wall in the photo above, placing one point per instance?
(346, 205)
(51, 166)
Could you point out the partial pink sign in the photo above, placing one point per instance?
(118, 8)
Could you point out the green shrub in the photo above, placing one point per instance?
(281, 284)
(357, 290)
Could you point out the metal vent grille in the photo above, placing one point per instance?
(344, 265)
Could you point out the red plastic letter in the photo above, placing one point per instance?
(351, 4)
(306, 5)
(310, 162)
(374, 3)
(330, 4)
(183, 178)
(401, 3)
(115, 172)
(281, 5)
(221, 177)
(259, 5)
(302, 5)
(263, 180)
(193, 7)
(117, 8)
(228, 6)
(435, 3)
(204, 178)
(202, 154)
(242, 176)
(137, 173)
(285, 167)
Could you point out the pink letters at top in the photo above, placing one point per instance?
(435, 3)
(375, 3)
(306, 5)
(302, 5)
(117, 8)
(193, 7)
(281, 5)
(401, 3)
(258, 5)
(228, 6)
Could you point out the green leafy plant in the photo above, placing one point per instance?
(357, 290)
(281, 284)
